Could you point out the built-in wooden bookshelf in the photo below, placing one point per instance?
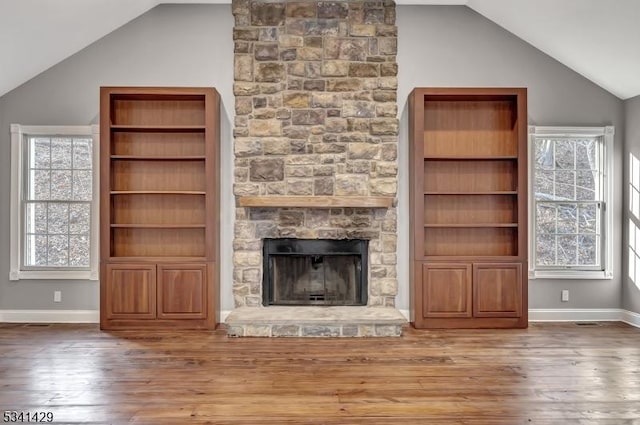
(468, 207)
(159, 207)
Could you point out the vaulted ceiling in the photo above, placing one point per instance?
(596, 38)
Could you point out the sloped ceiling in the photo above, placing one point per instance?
(597, 38)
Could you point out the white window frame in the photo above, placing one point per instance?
(607, 135)
(18, 133)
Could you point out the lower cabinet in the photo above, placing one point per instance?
(469, 295)
(135, 295)
(497, 290)
(182, 291)
(130, 292)
(446, 290)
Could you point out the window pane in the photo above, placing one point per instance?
(588, 218)
(587, 250)
(79, 219)
(634, 197)
(586, 186)
(58, 218)
(60, 153)
(79, 251)
(635, 171)
(82, 185)
(565, 185)
(39, 185)
(567, 250)
(60, 185)
(545, 250)
(36, 218)
(41, 156)
(586, 158)
(546, 218)
(632, 263)
(544, 185)
(633, 256)
(565, 153)
(568, 170)
(82, 154)
(36, 250)
(57, 234)
(58, 250)
(567, 218)
(544, 154)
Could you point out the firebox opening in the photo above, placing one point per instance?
(315, 272)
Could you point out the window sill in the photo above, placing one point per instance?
(53, 275)
(570, 274)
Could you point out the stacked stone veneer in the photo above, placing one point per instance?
(316, 114)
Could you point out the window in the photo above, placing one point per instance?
(571, 195)
(54, 208)
(634, 208)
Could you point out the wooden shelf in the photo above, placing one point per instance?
(159, 226)
(157, 192)
(495, 192)
(151, 260)
(473, 225)
(471, 258)
(159, 128)
(158, 158)
(316, 201)
(469, 157)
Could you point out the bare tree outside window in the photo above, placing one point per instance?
(57, 202)
(568, 196)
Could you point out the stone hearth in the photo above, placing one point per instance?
(316, 115)
(315, 321)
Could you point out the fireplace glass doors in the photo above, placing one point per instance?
(315, 272)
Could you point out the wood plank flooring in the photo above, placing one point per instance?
(550, 374)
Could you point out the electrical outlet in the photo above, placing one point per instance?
(565, 295)
(57, 296)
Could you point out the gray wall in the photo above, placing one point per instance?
(191, 45)
(185, 45)
(630, 289)
(454, 46)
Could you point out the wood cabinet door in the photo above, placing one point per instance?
(446, 290)
(130, 291)
(182, 291)
(497, 290)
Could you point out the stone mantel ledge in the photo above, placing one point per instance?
(312, 321)
(316, 201)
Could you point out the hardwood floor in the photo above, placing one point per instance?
(547, 374)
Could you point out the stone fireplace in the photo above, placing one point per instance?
(315, 118)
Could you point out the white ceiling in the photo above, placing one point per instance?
(599, 39)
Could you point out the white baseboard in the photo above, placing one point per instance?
(631, 318)
(535, 315)
(50, 316)
(575, 315)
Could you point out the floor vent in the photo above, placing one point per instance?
(586, 323)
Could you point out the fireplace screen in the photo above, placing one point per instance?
(315, 272)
